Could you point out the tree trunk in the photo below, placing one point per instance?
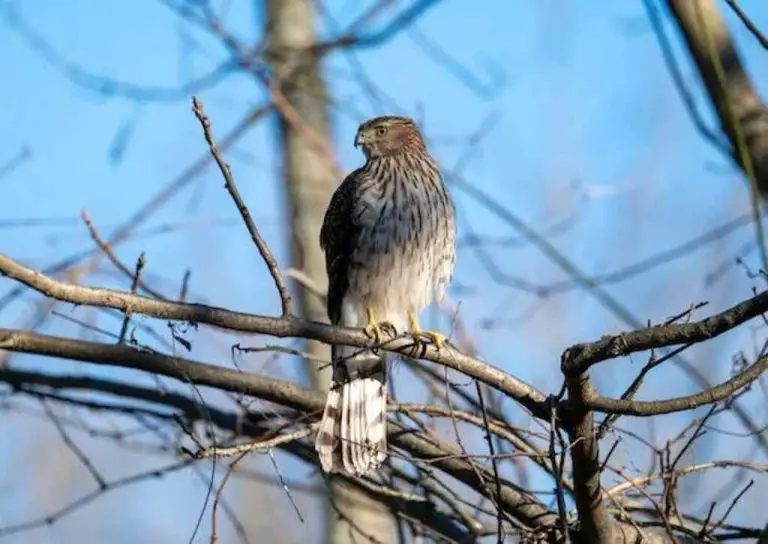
(310, 179)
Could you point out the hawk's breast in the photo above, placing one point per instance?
(405, 252)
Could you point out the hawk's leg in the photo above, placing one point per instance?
(435, 337)
(373, 328)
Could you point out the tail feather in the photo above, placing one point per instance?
(346, 427)
(352, 436)
(357, 422)
(375, 419)
(329, 432)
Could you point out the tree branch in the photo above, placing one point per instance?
(532, 399)
(583, 356)
(190, 409)
(595, 525)
(678, 404)
(518, 503)
(748, 23)
(229, 181)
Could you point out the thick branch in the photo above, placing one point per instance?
(184, 370)
(583, 356)
(595, 524)
(283, 327)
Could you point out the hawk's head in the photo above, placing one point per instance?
(388, 135)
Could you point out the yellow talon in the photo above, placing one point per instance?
(373, 327)
(435, 337)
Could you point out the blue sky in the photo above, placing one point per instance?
(588, 130)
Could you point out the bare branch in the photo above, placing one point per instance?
(534, 400)
(443, 456)
(647, 478)
(140, 263)
(109, 252)
(605, 298)
(185, 370)
(259, 445)
(678, 404)
(595, 525)
(229, 181)
(748, 22)
(14, 162)
(583, 356)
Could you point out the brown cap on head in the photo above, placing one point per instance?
(388, 135)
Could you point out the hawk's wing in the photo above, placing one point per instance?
(338, 237)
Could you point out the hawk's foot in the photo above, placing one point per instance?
(435, 337)
(374, 328)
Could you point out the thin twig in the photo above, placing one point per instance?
(23, 154)
(460, 443)
(308, 283)
(489, 439)
(692, 469)
(278, 349)
(184, 286)
(285, 485)
(748, 23)
(219, 492)
(558, 471)
(229, 181)
(82, 457)
(106, 247)
(733, 503)
(258, 445)
(679, 79)
(140, 263)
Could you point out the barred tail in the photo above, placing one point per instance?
(353, 436)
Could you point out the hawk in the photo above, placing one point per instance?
(389, 239)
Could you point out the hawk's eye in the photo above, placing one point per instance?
(381, 131)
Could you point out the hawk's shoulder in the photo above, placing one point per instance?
(339, 211)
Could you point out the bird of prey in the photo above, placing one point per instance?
(389, 238)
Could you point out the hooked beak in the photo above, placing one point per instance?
(359, 140)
